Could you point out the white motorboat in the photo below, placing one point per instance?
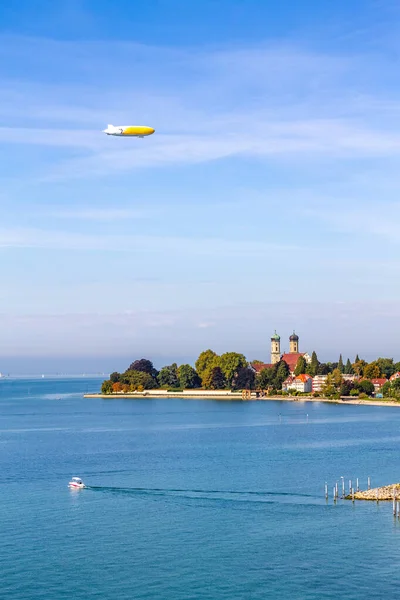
(76, 483)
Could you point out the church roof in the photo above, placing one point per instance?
(291, 359)
(260, 367)
(275, 337)
(294, 337)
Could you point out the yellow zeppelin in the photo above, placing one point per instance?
(138, 130)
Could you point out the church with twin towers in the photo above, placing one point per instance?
(290, 357)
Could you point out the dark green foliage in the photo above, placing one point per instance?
(340, 365)
(168, 376)
(188, 377)
(231, 363)
(205, 361)
(115, 377)
(214, 379)
(138, 378)
(244, 379)
(106, 387)
(145, 366)
(386, 367)
(357, 359)
(349, 368)
(301, 366)
(346, 387)
(313, 366)
(365, 386)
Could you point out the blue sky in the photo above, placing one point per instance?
(267, 198)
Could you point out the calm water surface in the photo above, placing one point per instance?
(190, 499)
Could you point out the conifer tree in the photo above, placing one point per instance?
(300, 366)
(340, 364)
(349, 368)
(314, 364)
(357, 359)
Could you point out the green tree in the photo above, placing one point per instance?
(206, 359)
(244, 379)
(386, 366)
(281, 373)
(340, 364)
(346, 387)
(372, 371)
(301, 366)
(265, 378)
(168, 376)
(134, 379)
(188, 377)
(313, 367)
(365, 386)
(323, 369)
(230, 363)
(358, 367)
(214, 379)
(114, 377)
(357, 359)
(106, 387)
(387, 390)
(145, 366)
(337, 378)
(349, 368)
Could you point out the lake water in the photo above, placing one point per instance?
(191, 499)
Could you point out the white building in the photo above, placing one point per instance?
(301, 383)
(318, 382)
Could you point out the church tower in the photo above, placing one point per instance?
(275, 348)
(294, 343)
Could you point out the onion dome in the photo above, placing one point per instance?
(294, 337)
(275, 337)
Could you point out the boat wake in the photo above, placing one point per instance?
(202, 494)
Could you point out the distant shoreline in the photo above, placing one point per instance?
(206, 395)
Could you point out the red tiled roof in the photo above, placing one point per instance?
(261, 367)
(379, 381)
(291, 359)
(303, 377)
(395, 376)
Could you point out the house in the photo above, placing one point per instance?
(288, 383)
(301, 383)
(318, 382)
(378, 383)
(395, 376)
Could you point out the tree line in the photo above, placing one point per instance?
(232, 371)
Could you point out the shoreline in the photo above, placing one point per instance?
(206, 395)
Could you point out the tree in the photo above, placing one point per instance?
(358, 367)
(265, 378)
(134, 379)
(281, 373)
(365, 386)
(106, 387)
(168, 376)
(337, 378)
(357, 359)
(244, 379)
(346, 387)
(145, 366)
(114, 377)
(205, 360)
(386, 366)
(372, 371)
(349, 368)
(301, 366)
(313, 366)
(230, 363)
(214, 379)
(117, 387)
(188, 377)
(323, 369)
(340, 364)
(387, 390)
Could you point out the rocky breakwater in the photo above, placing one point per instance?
(386, 492)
